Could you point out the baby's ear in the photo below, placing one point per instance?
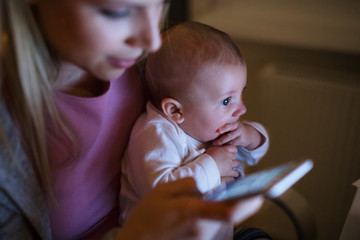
(172, 109)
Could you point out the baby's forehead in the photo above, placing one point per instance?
(218, 78)
(214, 69)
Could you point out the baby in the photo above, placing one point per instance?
(191, 126)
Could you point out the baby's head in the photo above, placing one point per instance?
(197, 79)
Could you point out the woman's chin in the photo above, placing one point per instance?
(112, 74)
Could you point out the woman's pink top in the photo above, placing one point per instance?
(87, 187)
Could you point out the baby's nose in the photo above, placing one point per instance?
(241, 110)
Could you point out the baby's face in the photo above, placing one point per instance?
(215, 100)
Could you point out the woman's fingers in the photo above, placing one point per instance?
(246, 208)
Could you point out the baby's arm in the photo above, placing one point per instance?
(155, 155)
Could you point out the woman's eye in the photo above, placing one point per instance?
(113, 14)
(226, 101)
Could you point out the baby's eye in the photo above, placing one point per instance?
(226, 101)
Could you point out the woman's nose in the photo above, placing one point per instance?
(148, 37)
(240, 110)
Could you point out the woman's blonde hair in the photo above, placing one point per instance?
(26, 72)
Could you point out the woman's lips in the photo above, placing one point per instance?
(121, 63)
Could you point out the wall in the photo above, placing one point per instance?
(303, 62)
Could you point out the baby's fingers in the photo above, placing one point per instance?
(228, 127)
(231, 148)
(226, 138)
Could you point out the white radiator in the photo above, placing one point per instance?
(311, 112)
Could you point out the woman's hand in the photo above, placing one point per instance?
(170, 210)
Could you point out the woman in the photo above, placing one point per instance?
(69, 96)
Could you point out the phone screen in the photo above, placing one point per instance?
(260, 183)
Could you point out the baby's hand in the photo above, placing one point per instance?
(224, 157)
(239, 134)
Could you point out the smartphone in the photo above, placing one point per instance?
(271, 182)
